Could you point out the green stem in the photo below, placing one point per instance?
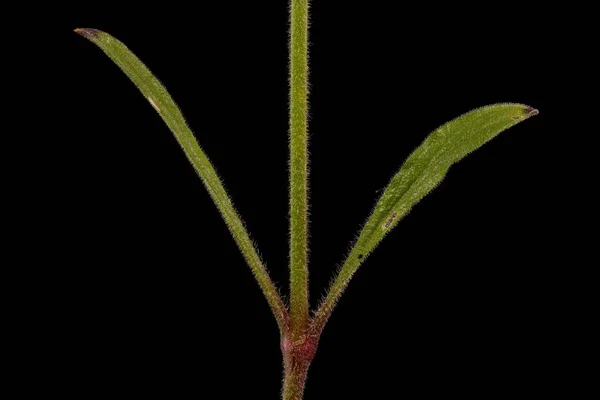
(293, 383)
(298, 169)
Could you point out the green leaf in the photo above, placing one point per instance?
(158, 97)
(424, 169)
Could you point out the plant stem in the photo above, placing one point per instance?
(297, 357)
(298, 169)
(293, 382)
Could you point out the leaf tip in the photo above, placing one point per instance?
(88, 33)
(527, 112)
(530, 111)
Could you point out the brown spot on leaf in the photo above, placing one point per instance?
(390, 220)
(88, 33)
(530, 111)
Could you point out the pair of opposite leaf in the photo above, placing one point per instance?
(422, 171)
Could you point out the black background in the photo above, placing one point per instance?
(148, 295)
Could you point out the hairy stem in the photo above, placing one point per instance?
(293, 382)
(297, 356)
(298, 48)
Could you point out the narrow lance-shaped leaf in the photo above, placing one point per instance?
(161, 101)
(424, 169)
